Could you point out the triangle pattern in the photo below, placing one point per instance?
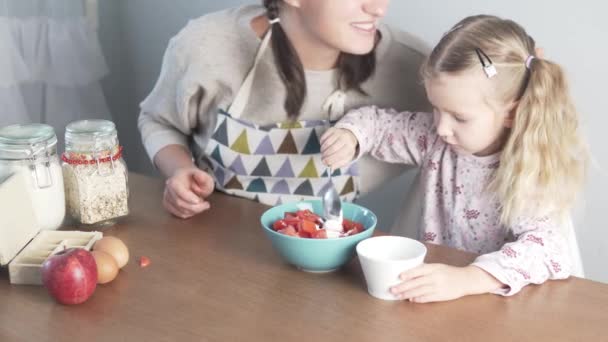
(221, 134)
(262, 169)
(313, 146)
(254, 138)
(301, 137)
(280, 188)
(290, 124)
(309, 171)
(348, 187)
(238, 167)
(217, 156)
(285, 171)
(305, 189)
(353, 170)
(245, 123)
(325, 174)
(234, 184)
(219, 176)
(336, 173)
(277, 137)
(288, 146)
(257, 185)
(324, 188)
(279, 201)
(241, 144)
(265, 147)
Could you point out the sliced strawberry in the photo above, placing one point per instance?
(289, 230)
(350, 225)
(280, 224)
(308, 215)
(292, 221)
(320, 234)
(144, 261)
(309, 226)
(304, 234)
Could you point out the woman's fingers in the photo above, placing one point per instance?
(173, 209)
(182, 199)
(202, 184)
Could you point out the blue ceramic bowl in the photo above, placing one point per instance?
(318, 255)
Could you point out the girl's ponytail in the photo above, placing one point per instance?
(544, 161)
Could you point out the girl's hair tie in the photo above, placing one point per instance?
(274, 20)
(529, 61)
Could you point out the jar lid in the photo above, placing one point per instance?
(97, 128)
(90, 135)
(25, 141)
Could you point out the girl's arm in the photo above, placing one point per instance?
(541, 252)
(391, 136)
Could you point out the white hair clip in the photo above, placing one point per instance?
(274, 20)
(486, 63)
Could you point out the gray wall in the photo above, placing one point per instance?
(134, 34)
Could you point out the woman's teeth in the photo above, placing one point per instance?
(368, 27)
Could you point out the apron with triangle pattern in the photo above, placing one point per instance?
(275, 163)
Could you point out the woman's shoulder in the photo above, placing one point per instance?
(398, 43)
(221, 34)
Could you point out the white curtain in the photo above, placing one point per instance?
(50, 62)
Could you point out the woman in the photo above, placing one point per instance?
(244, 95)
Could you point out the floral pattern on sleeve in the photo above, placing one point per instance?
(540, 252)
(391, 136)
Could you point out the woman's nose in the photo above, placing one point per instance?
(376, 8)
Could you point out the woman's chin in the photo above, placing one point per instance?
(358, 47)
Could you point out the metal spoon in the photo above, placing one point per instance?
(332, 205)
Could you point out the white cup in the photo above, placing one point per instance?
(384, 258)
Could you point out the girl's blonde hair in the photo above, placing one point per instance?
(544, 160)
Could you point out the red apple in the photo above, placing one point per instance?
(70, 275)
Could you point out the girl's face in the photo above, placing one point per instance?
(344, 25)
(463, 115)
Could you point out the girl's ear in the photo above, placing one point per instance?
(293, 3)
(510, 117)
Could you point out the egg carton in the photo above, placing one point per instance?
(26, 267)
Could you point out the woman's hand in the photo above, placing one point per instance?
(186, 190)
(338, 147)
(439, 282)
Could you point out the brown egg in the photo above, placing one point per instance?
(107, 268)
(115, 247)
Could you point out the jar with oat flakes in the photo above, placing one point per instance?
(95, 174)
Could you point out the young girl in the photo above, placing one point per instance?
(245, 94)
(501, 160)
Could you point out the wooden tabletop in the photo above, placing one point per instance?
(216, 278)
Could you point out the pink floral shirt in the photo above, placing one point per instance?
(457, 212)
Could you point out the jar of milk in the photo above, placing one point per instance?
(32, 149)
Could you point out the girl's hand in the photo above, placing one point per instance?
(439, 282)
(338, 147)
(186, 190)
